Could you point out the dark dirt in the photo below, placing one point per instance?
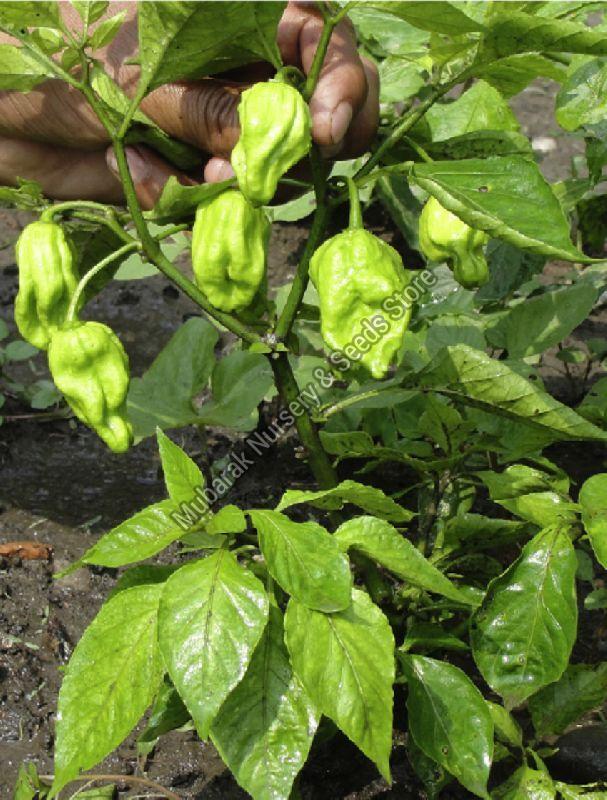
(60, 486)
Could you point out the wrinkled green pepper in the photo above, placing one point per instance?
(360, 280)
(89, 365)
(229, 244)
(275, 126)
(47, 280)
(445, 237)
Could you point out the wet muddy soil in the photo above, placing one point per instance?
(59, 486)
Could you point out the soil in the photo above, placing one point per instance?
(59, 486)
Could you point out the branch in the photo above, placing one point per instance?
(152, 250)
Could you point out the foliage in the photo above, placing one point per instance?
(460, 583)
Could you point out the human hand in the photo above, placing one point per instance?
(51, 135)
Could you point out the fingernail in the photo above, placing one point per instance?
(138, 166)
(340, 121)
(217, 169)
(224, 171)
(110, 160)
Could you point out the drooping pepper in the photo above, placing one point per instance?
(275, 126)
(47, 280)
(360, 281)
(89, 365)
(229, 244)
(445, 237)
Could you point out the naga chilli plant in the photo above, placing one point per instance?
(442, 550)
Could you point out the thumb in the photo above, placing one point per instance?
(148, 171)
(202, 113)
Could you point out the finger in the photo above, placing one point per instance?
(217, 169)
(63, 173)
(202, 113)
(364, 126)
(342, 87)
(149, 173)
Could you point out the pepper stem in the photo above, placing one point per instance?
(71, 312)
(356, 217)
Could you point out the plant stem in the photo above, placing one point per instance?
(72, 205)
(356, 217)
(289, 392)
(110, 223)
(406, 123)
(171, 231)
(319, 56)
(93, 271)
(418, 149)
(152, 250)
(111, 778)
(319, 224)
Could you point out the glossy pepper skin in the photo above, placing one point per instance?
(275, 126)
(89, 365)
(445, 237)
(354, 274)
(229, 244)
(47, 281)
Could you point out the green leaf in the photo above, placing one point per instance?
(212, 615)
(593, 499)
(168, 713)
(28, 784)
(16, 15)
(90, 10)
(177, 201)
(402, 205)
(305, 560)
(479, 108)
(45, 394)
(379, 541)
(523, 633)
(538, 323)
(517, 32)
(430, 636)
(109, 682)
(473, 378)
(526, 784)
(189, 40)
(507, 197)
(107, 30)
(181, 475)
(19, 70)
(264, 730)
(107, 792)
(27, 195)
(582, 99)
(229, 519)
(568, 792)
(20, 351)
(507, 728)
(482, 143)
(368, 498)
(581, 688)
(239, 382)
(512, 74)
(143, 574)
(440, 17)
(143, 130)
(346, 664)
(449, 720)
(163, 396)
(476, 532)
(137, 538)
(529, 494)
